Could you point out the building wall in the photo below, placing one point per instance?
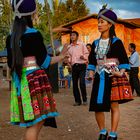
(88, 31)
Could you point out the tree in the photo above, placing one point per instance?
(80, 9)
(61, 13)
(49, 24)
(5, 21)
(68, 11)
(41, 25)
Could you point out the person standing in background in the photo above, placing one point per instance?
(134, 71)
(88, 81)
(89, 47)
(78, 59)
(64, 73)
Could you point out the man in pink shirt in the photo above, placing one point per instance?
(78, 59)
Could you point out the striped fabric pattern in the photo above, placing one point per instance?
(36, 101)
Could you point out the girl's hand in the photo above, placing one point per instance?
(117, 73)
(89, 78)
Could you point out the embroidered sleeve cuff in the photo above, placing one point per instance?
(46, 62)
(124, 66)
(91, 67)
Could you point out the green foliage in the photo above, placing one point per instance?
(42, 24)
(69, 11)
(61, 13)
(104, 6)
(5, 21)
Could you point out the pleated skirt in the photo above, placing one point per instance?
(35, 102)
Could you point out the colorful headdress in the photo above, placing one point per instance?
(23, 7)
(108, 15)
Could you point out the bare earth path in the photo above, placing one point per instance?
(74, 123)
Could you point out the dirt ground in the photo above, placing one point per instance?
(74, 123)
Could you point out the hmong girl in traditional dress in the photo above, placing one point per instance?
(107, 64)
(32, 102)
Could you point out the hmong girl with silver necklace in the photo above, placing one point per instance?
(107, 61)
(32, 103)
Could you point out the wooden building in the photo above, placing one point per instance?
(128, 30)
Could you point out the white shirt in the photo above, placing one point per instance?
(134, 60)
(102, 48)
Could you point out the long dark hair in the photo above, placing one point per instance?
(19, 28)
(112, 32)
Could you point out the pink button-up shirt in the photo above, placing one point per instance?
(77, 50)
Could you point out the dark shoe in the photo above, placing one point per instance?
(76, 104)
(103, 137)
(112, 138)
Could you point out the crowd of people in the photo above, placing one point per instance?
(104, 62)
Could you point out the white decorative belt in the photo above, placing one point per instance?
(107, 65)
(108, 61)
(31, 67)
(30, 63)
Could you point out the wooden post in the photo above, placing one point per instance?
(53, 69)
(50, 25)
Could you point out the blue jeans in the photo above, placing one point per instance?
(68, 77)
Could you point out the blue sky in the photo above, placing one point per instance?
(123, 8)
